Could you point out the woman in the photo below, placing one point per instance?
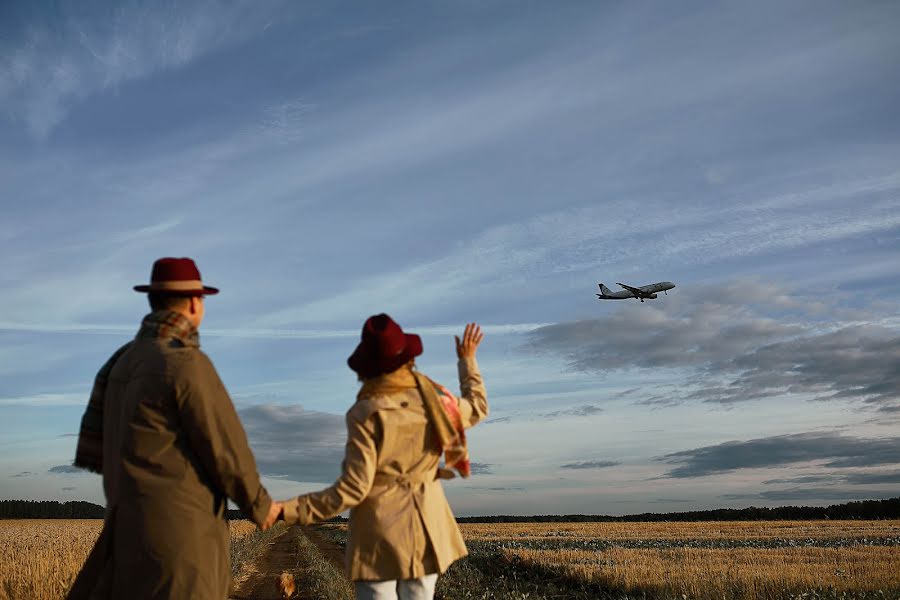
(402, 531)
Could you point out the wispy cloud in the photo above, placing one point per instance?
(482, 468)
(841, 478)
(285, 122)
(591, 464)
(72, 399)
(263, 333)
(586, 410)
(813, 494)
(75, 53)
(501, 262)
(583, 410)
(65, 469)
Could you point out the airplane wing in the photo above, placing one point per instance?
(633, 290)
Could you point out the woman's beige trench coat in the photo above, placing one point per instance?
(401, 526)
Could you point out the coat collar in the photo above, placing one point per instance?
(395, 381)
(167, 324)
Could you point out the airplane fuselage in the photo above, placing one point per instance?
(649, 292)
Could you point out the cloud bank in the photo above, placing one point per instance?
(838, 450)
(294, 443)
(735, 348)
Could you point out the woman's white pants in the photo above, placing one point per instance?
(397, 589)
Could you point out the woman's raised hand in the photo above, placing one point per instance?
(472, 336)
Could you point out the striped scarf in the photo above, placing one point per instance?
(157, 325)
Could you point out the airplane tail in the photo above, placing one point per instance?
(605, 290)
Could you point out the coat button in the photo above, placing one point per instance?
(404, 404)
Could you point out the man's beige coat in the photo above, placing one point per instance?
(401, 526)
(173, 452)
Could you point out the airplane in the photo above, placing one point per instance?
(645, 291)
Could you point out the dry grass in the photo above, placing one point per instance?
(240, 529)
(39, 558)
(719, 530)
(317, 577)
(743, 574)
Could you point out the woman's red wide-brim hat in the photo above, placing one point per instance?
(383, 347)
(176, 277)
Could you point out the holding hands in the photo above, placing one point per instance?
(472, 336)
(275, 513)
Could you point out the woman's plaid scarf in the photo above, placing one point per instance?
(162, 324)
(442, 408)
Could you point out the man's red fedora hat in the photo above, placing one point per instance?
(383, 348)
(176, 277)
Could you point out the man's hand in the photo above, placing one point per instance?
(472, 336)
(275, 513)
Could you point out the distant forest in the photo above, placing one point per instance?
(47, 509)
(865, 509)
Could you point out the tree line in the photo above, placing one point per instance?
(864, 509)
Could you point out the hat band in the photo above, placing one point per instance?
(176, 286)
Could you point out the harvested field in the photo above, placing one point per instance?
(738, 560)
(712, 530)
(577, 561)
(738, 573)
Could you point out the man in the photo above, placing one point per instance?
(162, 430)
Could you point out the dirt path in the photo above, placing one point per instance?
(280, 556)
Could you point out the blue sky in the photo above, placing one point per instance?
(488, 161)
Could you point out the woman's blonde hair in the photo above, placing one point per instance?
(411, 365)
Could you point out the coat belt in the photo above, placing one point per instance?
(407, 480)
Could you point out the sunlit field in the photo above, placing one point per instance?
(712, 530)
(733, 573)
(739, 560)
(39, 558)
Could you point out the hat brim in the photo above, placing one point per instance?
(373, 366)
(204, 291)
